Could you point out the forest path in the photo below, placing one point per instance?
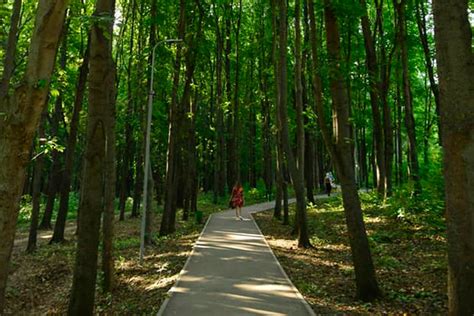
(233, 271)
(43, 236)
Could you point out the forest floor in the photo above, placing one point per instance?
(39, 283)
(409, 256)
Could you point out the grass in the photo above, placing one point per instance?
(409, 254)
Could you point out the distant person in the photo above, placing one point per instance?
(237, 199)
(328, 183)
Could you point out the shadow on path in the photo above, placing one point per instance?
(232, 271)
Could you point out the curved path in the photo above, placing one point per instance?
(233, 271)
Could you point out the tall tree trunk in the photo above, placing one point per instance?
(109, 187)
(399, 150)
(300, 141)
(296, 173)
(408, 98)
(341, 152)
(169, 212)
(266, 130)
(280, 180)
(220, 166)
(127, 154)
(455, 61)
(188, 112)
(60, 225)
(230, 146)
(9, 60)
(235, 111)
(55, 172)
(309, 139)
(367, 288)
(22, 112)
(98, 158)
(375, 102)
(37, 176)
(420, 14)
(385, 72)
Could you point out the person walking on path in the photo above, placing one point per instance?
(237, 199)
(328, 182)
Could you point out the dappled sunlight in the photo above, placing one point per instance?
(232, 269)
(239, 297)
(260, 312)
(190, 278)
(179, 289)
(243, 247)
(282, 290)
(236, 258)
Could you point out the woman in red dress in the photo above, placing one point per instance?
(237, 199)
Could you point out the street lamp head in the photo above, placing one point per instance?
(173, 40)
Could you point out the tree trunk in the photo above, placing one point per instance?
(127, 154)
(22, 113)
(367, 288)
(375, 101)
(109, 189)
(9, 60)
(280, 181)
(409, 118)
(235, 111)
(230, 146)
(169, 212)
(37, 175)
(55, 172)
(296, 173)
(341, 153)
(98, 158)
(455, 62)
(420, 14)
(60, 225)
(220, 171)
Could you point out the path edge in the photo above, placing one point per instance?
(293, 287)
(181, 273)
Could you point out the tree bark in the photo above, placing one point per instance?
(341, 152)
(235, 111)
(97, 155)
(60, 225)
(109, 185)
(409, 118)
(367, 288)
(55, 172)
(375, 102)
(420, 15)
(169, 212)
(187, 131)
(37, 176)
(296, 173)
(220, 166)
(127, 154)
(9, 60)
(21, 114)
(455, 62)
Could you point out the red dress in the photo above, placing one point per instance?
(237, 197)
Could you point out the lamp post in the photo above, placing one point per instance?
(147, 146)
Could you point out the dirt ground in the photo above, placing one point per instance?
(410, 261)
(39, 283)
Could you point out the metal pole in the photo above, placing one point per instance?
(147, 147)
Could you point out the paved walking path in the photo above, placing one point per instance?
(232, 271)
